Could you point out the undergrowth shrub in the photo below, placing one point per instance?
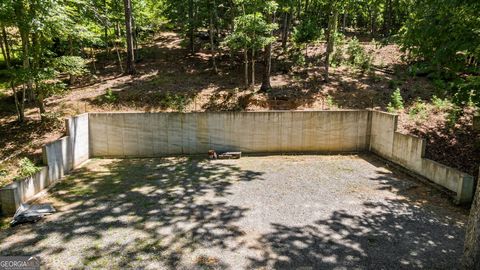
(176, 102)
(396, 102)
(419, 110)
(338, 57)
(297, 57)
(109, 96)
(26, 168)
(331, 102)
(358, 56)
(453, 116)
(441, 104)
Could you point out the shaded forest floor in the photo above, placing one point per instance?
(169, 79)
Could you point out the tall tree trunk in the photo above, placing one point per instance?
(24, 30)
(5, 47)
(70, 44)
(212, 43)
(7, 62)
(94, 59)
(119, 56)
(19, 104)
(105, 27)
(252, 82)
(130, 69)
(471, 254)
(284, 30)
(332, 28)
(134, 37)
(191, 31)
(35, 51)
(267, 61)
(40, 102)
(245, 60)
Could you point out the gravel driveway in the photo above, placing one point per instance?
(272, 212)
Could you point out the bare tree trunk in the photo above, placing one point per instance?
(332, 27)
(40, 103)
(212, 43)
(267, 61)
(70, 44)
(130, 69)
(105, 27)
(119, 56)
(134, 38)
(252, 82)
(7, 47)
(245, 59)
(92, 55)
(471, 254)
(191, 28)
(284, 31)
(19, 105)
(4, 53)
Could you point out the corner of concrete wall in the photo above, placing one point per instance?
(78, 139)
(22, 190)
(368, 134)
(409, 152)
(60, 157)
(466, 189)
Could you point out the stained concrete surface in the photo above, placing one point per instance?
(273, 212)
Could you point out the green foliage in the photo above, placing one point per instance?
(443, 38)
(177, 102)
(394, 84)
(357, 56)
(466, 92)
(338, 56)
(109, 96)
(441, 104)
(331, 102)
(453, 116)
(307, 32)
(396, 102)
(297, 57)
(27, 168)
(418, 110)
(251, 31)
(71, 65)
(45, 83)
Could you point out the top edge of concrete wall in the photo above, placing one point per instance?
(383, 112)
(56, 141)
(219, 112)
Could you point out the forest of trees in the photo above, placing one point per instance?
(41, 39)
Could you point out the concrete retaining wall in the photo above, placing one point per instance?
(78, 139)
(160, 134)
(20, 191)
(408, 151)
(60, 157)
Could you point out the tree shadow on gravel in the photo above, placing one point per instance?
(137, 213)
(156, 213)
(393, 235)
(416, 232)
